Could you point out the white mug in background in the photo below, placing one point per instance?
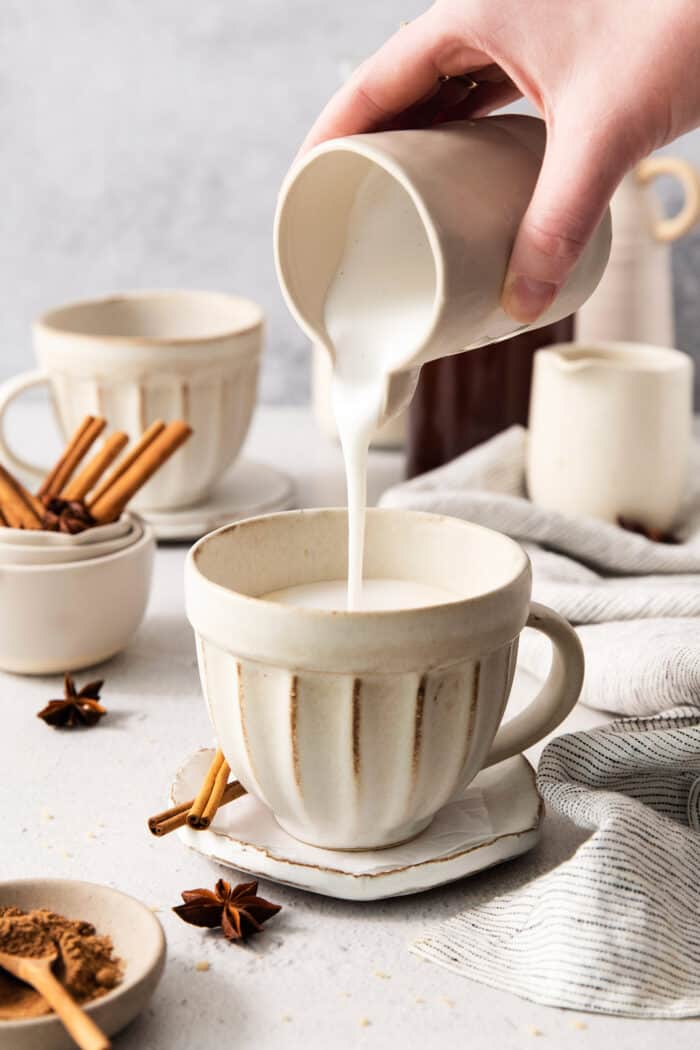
(355, 728)
(470, 183)
(140, 356)
(609, 430)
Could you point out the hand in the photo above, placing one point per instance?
(613, 80)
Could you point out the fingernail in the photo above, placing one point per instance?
(525, 298)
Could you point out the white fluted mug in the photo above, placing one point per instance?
(355, 728)
(140, 356)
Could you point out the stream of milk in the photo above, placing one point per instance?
(378, 309)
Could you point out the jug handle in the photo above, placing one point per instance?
(676, 226)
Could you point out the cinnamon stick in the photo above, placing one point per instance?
(112, 502)
(214, 800)
(79, 444)
(20, 510)
(204, 794)
(158, 824)
(149, 435)
(172, 819)
(79, 487)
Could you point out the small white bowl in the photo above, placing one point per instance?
(138, 940)
(56, 618)
(42, 538)
(33, 554)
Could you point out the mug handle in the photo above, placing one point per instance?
(9, 390)
(677, 225)
(557, 696)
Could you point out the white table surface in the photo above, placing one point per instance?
(324, 974)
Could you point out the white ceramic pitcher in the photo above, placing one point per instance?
(634, 300)
(470, 183)
(609, 431)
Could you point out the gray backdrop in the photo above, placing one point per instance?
(143, 142)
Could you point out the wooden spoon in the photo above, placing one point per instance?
(38, 973)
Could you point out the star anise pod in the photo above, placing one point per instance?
(656, 535)
(66, 516)
(76, 708)
(238, 910)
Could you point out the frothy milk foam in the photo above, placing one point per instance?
(378, 309)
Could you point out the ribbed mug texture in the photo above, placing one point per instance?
(361, 759)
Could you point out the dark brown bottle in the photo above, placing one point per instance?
(467, 398)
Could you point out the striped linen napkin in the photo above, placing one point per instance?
(616, 928)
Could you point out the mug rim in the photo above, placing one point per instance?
(343, 641)
(49, 320)
(470, 526)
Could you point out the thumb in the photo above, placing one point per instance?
(579, 174)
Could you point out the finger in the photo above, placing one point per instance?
(578, 177)
(400, 74)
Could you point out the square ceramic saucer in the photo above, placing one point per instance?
(497, 817)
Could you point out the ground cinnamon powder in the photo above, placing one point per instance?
(85, 965)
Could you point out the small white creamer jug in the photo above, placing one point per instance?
(609, 431)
